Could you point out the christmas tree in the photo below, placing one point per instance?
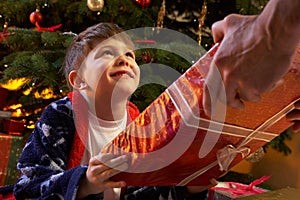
(35, 35)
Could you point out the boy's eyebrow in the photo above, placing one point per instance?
(100, 47)
(112, 47)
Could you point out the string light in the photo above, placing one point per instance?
(201, 19)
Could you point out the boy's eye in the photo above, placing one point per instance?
(130, 54)
(107, 52)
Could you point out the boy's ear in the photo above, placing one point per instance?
(75, 81)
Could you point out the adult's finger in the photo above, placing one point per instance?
(211, 90)
(233, 98)
(218, 31)
(249, 94)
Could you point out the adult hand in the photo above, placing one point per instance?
(100, 169)
(247, 60)
(294, 116)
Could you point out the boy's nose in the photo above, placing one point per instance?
(122, 61)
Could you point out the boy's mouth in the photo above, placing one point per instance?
(122, 73)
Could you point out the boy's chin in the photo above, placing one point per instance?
(123, 92)
(124, 88)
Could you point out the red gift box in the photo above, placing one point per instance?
(10, 151)
(172, 142)
(14, 127)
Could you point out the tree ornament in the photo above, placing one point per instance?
(161, 15)
(256, 156)
(36, 17)
(95, 5)
(143, 3)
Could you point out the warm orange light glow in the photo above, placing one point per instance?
(15, 109)
(45, 94)
(15, 84)
(14, 106)
(27, 92)
(30, 125)
(17, 113)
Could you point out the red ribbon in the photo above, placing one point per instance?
(238, 189)
(51, 29)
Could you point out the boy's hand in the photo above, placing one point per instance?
(197, 189)
(294, 116)
(101, 168)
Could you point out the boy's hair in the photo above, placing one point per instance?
(84, 43)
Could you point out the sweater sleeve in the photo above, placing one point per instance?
(43, 163)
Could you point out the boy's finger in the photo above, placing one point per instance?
(113, 184)
(120, 163)
(103, 158)
(112, 161)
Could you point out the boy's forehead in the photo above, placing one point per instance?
(113, 42)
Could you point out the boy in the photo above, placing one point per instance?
(60, 159)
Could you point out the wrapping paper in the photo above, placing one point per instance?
(172, 142)
(10, 151)
(233, 190)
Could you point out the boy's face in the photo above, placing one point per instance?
(110, 69)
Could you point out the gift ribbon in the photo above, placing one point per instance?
(240, 148)
(227, 154)
(237, 189)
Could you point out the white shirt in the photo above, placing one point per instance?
(100, 133)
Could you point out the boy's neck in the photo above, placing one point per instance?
(109, 111)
